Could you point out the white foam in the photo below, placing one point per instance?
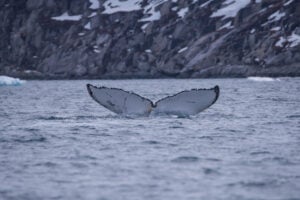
(10, 81)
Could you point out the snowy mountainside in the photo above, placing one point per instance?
(149, 38)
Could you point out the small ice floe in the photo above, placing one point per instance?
(10, 81)
(262, 79)
(66, 17)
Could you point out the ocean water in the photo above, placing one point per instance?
(57, 143)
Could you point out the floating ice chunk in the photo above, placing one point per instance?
(261, 79)
(95, 4)
(9, 81)
(182, 12)
(230, 8)
(66, 17)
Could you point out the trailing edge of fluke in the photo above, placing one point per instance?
(185, 103)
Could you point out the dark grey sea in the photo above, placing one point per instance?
(57, 143)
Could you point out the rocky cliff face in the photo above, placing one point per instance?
(149, 38)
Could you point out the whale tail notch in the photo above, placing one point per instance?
(189, 102)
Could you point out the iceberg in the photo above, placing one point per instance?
(10, 81)
(261, 79)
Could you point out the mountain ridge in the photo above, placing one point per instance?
(149, 39)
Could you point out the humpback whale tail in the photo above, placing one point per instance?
(189, 102)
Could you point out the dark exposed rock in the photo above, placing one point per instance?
(180, 39)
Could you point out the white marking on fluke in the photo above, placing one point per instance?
(185, 103)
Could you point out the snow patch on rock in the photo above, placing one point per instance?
(276, 16)
(230, 8)
(291, 41)
(94, 4)
(182, 12)
(66, 17)
(113, 6)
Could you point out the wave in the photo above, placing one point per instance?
(10, 81)
(260, 79)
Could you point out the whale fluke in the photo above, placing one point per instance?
(184, 103)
